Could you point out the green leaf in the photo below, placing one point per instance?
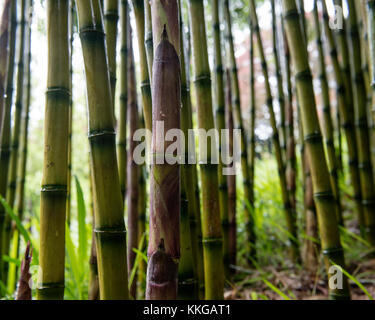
(275, 289)
(74, 264)
(82, 237)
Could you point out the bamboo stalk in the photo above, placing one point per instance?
(111, 17)
(231, 179)
(5, 147)
(110, 230)
(22, 161)
(4, 56)
(55, 166)
(344, 106)
(149, 42)
(279, 78)
(122, 121)
(220, 125)
(211, 225)
(326, 120)
(289, 214)
(248, 203)
(12, 179)
(132, 168)
(71, 41)
(188, 273)
(324, 199)
(164, 243)
(361, 126)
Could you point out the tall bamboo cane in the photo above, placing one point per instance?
(5, 137)
(188, 272)
(248, 203)
(4, 56)
(289, 214)
(55, 169)
(132, 168)
(164, 243)
(280, 89)
(122, 121)
(345, 115)
(110, 230)
(211, 225)
(149, 43)
(22, 161)
(111, 17)
(231, 179)
(361, 125)
(327, 124)
(71, 41)
(12, 179)
(220, 124)
(324, 200)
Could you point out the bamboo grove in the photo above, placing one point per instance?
(220, 147)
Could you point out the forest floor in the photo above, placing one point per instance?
(297, 284)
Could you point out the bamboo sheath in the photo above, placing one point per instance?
(55, 166)
(211, 224)
(110, 230)
(324, 199)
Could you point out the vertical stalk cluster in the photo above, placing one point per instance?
(110, 230)
(361, 125)
(211, 224)
(248, 203)
(289, 214)
(324, 199)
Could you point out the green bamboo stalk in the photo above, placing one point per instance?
(111, 17)
(248, 203)
(291, 160)
(122, 121)
(4, 56)
(220, 125)
(231, 179)
(164, 243)
(345, 115)
(194, 202)
(5, 137)
(324, 199)
(55, 166)
(289, 214)
(132, 168)
(12, 179)
(279, 78)
(149, 43)
(187, 272)
(71, 40)
(110, 230)
(139, 12)
(327, 125)
(22, 161)
(211, 225)
(361, 126)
